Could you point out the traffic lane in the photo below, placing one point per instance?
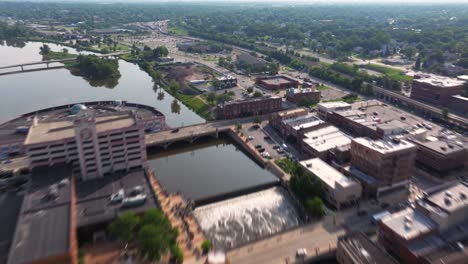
(284, 246)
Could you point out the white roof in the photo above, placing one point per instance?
(334, 104)
(327, 173)
(437, 80)
(326, 138)
(408, 223)
(384, 146)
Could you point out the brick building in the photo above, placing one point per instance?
(295, 123)
(442, 155)
(277, 82)
(380, 163)
(459, 105)
(307, 95)
(249, 107)
(434, 89)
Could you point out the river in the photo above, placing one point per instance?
(26, 92)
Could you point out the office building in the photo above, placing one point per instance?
(303, 95)
(435, 89)
(340, 190)
(249, 107)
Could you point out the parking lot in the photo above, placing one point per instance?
(265, 137)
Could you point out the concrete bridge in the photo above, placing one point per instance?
(20, 68)
(191, 133)
(420, 107)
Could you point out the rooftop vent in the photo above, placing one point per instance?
(443, 148)
(447, 201)
(308, 165)
(450, 146)
(448, 193)
(407, 226)
(462, 196)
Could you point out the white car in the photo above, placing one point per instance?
(301, 253)
(251, 138)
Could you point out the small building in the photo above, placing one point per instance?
(357, 248)
(249, 107)
(320, 142)
(300, 95)
(277, 82)
(435, 89)
(341, 190)
(226, 81)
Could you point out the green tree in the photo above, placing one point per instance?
(124, 226)
(250, 89)
(315, 207)
(215, 82)
(211, 97)
(160, 51)
(257, 120)
(206, 246)
(445, 112)
(45, 49)
(151, 242)
(175, 106)
(257, 94)
(177, 254)
(174, 86)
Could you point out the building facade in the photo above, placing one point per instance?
(459, 105)
(388, 162)
(300, 95)
(249, 107)
(277, 82)
(434, 89)
(340, 190)
(96, 144)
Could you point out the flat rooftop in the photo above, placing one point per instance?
(449, 200)
(303, 122)
(301, 90)
(459, 97)
(64, 129)
(326, 138)
(277, 81)
(252, 99)
(384, 147)
(409, 223)
(43, 228)
(443, 146)
(93, 197)
(437, 80)
(334, 104)
(293, 111)
(327, 173)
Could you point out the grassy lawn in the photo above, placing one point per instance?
(390, 72)
(322, 87)
(58, 55)
(287, 165)
(196, 104)
(347, 99)
(178, 31)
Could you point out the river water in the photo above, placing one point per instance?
(204, 169)
(26, 92)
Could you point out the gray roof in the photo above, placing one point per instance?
(43, 228)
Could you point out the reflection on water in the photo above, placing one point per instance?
(175, 107)
(206, 168)
(26, 92)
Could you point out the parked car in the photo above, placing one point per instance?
(301, 253)
(258, 146)
(250, 138)
(280, 150)
(260, 150)
(276, 147)
(175, 130)
(266, 137)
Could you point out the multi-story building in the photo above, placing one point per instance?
(459, 105)
(340, 190)
(432, 231)
(306, 95)
(382, 163)
(96, 143)
(434, 89)
(249, 107)
(295, 123)
(441, 155)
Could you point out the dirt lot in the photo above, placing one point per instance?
(184, 73)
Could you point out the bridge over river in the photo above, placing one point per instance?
(24, 67)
